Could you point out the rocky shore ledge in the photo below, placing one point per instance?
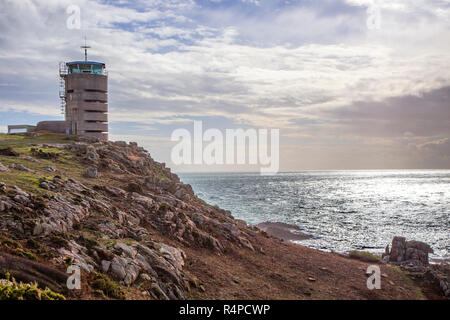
(137, 232)
(284, 231)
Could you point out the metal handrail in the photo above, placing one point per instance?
(64, 71)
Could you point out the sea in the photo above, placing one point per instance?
(342, 210)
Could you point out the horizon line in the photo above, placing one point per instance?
(311, 170)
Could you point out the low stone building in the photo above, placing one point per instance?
(53, 126)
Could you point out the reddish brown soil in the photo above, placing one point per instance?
(290, 271)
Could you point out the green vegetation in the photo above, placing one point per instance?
(24, 139)
(47, 154)
(14, 247)
(406, 278)
(23, 146)
(364, 256)
(24, 180)
(33, 243)
(109, 243)
(25, 254)
(107, 286)
(11, 290)
(10, 243)
(128, 242)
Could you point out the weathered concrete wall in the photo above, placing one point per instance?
(25, 127)
(86, 104)
(99, 135)
(95, 116)
(87, 81)
(53, 126)
(96, 106)
(95, 96)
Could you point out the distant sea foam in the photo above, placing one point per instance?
(344, 210)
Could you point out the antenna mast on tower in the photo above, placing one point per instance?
(85, 47)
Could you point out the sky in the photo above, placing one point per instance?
(350, 84)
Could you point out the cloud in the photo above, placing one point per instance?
(422, 115)
(440, 147)
(311, 68)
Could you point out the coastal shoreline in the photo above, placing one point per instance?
(292, 233)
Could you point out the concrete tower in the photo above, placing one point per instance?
(84, 95)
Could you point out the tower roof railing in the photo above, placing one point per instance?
(85, 62)
(82, 67)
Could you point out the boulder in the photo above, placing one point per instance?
(42, 229)
(21, 199)
(28, 158)
(77, 255)
(125, 269)
(105, 265)
(118, 266)
(20, 167)
(173, 255)
(50, 168)
(417, 251)
(145, 277)
(398, 249)
(411, 252)
(44, 185)
(91, 153)
(132, 272)
(91, 172)
(127, 250)
(19, 191)
(419, 245)
(3, 168)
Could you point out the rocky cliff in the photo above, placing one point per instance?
(137, 232)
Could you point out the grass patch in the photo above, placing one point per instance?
(109, 243)
(34, 244)
(407, 279)
(27, 138)
(364, 256)
(11, 290)
(26, 181)
(70, 165)
(45, 154)
(25, 254)
(11, 243)
(110, 288)
(15, 247)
